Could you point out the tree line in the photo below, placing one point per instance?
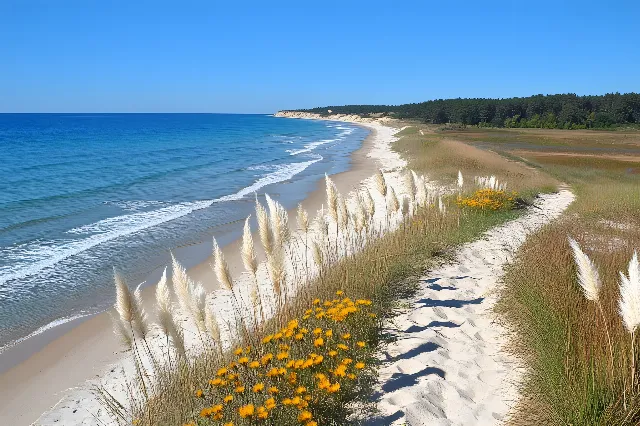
(567, 111)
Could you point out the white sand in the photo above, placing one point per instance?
(448, 366)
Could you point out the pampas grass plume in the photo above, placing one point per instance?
(588, 276)
(394, 204)
(220, 267)
(381, 183)
(460, 179)
(166, 319)
(248, 249)
(629, 304)
(303, 219)
(332, 198)
(266, 238)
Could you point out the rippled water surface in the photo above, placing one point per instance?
(81, 193)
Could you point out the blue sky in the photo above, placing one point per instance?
(240, 56)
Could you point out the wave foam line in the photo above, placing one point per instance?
(31, 259)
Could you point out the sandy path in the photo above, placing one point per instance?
(447, 366)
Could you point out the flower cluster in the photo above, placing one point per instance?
(488, 199)
(294, 373)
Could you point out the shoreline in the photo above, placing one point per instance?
(85, 348)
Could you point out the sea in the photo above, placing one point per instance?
(82, 194)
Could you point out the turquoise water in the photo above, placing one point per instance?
(82, 193)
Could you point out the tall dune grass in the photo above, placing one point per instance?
(367, 246)
(370, 261)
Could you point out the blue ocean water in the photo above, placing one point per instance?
(82, 193)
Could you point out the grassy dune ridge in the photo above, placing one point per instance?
(382, 272)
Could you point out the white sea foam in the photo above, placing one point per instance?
(281, 173)
(310, 146)
(33, 258)
(42, 329)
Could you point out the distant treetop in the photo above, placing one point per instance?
(567, 111)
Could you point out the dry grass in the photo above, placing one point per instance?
(560, 333)
(443, 157)
(381, 273)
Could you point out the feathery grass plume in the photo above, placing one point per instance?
(460, 180)
(404, 209)
(421, 193)
(410, 185)
(122, 331)
(187, 293)
(220, 267)
(630, 296)
(248, 249)
(141, 323)
(589, 280)
(492, 182)
(166, 319)
(588, 276)
(332, 198)
(362, 214)
(124, 299)
(264, 229)
(317, 254)
(371, 205)
(303, 219)
(343, 213)
(359, 220)
(394, 204)
(280, 225)
(180, 284)
(381, 183)
(129, 307)
(250, 262)
(441, 206)
(629, 306)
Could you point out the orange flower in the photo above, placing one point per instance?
(360, 365)
(318, 342)
(259, 387)
(246, 411)
(270, 403)
(361, 344)
(304, 416)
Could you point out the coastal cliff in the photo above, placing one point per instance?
(351, 118)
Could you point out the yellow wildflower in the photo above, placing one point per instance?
(259, 387)
(246, 410)
(270, 403)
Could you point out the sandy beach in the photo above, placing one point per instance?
(54, 378)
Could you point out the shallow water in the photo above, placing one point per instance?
(82, 193)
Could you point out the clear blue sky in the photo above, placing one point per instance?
(241, 56)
